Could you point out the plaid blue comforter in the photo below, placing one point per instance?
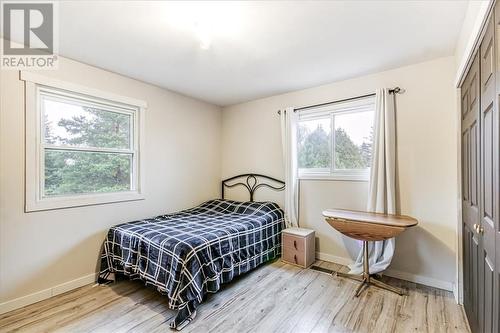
(191, 253)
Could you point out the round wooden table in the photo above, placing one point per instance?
(367, 226)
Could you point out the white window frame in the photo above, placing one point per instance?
(35, 85)
(363, 104)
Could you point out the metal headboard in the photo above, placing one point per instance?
(252, 182)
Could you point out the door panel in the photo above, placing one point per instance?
(488, 182)
(497, 291)
(496, 154)
(489, 274)
(465, 165)
(467, 249)
(471, 194)
(487, 60)
(473, 91)
(475, 310)
(465, 101)
(473, 165)
(488, 164)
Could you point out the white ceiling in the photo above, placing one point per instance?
(228, 52)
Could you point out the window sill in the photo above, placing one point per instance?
(80, 201)
(337, 177)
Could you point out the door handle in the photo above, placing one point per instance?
(475, 227)
(295, 244)
(479, 228)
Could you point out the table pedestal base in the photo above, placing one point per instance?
(366, 279)
(365, 282)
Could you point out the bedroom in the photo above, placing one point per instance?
(134, 111)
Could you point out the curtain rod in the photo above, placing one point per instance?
(396, 90)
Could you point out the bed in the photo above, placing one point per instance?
(191, 253)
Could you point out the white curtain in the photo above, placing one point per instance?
(289, 141)
(382, 193)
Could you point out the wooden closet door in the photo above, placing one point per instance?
(470, 100)
(496, 154)
(489, 182)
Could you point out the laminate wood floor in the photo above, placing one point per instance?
(276, 297)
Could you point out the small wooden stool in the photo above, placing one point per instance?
(366, 226)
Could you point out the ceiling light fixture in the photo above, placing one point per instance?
(206, 20)
(203, 35)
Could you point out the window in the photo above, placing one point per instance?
(82, 146)
(335, 141)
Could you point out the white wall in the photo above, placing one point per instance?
(42, 250)
(427, 157)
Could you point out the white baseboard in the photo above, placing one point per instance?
(425, 280)
(428, 281)
(335, 259)
(46, 293)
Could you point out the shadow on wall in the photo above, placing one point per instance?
(418, 252)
